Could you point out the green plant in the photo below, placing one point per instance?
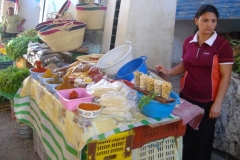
(236, 65)
(11, 79)
(18, 46)
(5, 59)
(145, 100)
(29, 33)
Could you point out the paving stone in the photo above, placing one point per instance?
(13, 143)
(28, 144)
(3, 152)
(17, 154)
(6, 134)
(34, 156)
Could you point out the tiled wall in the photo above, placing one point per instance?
(228, 9)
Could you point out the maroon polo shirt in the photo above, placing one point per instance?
(202, 77)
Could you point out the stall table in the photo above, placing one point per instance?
(57, 128)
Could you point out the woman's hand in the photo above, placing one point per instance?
(161, 69)
(215, 110)
(225, 71)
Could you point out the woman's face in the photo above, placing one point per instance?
(10, 12)
(206, 23)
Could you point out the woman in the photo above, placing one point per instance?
(206, 63)
(11, 23)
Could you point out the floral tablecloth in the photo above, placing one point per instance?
(58, 128)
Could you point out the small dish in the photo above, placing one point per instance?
(50, 84)
(89, 110)
(34, 75)
(42, 79)
(87, 80)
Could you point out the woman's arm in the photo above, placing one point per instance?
(225, 71)
(22, 21)
(179, 69)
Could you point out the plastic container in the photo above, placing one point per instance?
(50, 86)
(41, 79)
(114, 59)
(155, 109)
(117, 146)
(71, 104)
(146, 134)
(126, 71)
(5, 106)
(22, 130)
(4, 65)
(89, 110)
(161, 149)
(34, 75)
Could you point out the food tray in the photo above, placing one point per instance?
(146, 134)
(71, 104)
(117, 146)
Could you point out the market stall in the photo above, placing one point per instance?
(58, 129)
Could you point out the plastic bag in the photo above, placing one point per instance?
(116, 102)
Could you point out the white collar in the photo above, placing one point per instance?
(209, 41)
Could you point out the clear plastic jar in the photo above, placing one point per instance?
(150, 84)
(166, 89)
(158, 87)
(143, 81)
(137, 75)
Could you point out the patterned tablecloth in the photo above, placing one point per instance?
(58, 128)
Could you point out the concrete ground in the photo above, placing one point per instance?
(13, 148)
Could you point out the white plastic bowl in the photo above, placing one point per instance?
(114, 59)
(50, 86)
(41, 79)
(34, 75)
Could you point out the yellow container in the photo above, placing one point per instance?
(3, 50)
(117, 147)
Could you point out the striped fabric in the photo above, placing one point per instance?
(58, 140)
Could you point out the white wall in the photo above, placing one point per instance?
(4, 7)
(29, 9)
(54, 6)
(149, 25)
(185, 28)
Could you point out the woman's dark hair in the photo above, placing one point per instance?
(203, 9)
(206, 8)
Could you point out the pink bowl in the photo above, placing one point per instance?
(71, 104)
